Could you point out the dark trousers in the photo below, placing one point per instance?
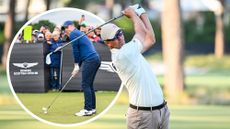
(89, 70)
(54, 78)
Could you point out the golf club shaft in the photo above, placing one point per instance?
(60, 92)
(60, 48)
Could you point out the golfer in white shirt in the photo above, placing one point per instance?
(147, 109)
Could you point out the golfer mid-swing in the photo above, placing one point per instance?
(86, 57)
(147, 109)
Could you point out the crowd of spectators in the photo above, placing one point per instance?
(44, 34)
(94, 36)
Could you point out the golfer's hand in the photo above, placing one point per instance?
(75, 70)
(138, 9)
(49, 42)
(129, 12)
(74, 73)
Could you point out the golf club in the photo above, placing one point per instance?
(45, 109)
(48, 59)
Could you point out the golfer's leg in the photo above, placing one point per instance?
(95, 66)
(93, 98)
(143, 119)
(133, 119)
(149, 119)
(165, 118)
(86, 73)
(91, 80)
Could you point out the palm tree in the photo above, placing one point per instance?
(9, 30)
(172, 37)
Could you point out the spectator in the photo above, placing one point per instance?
(35, 32)
(34, 38)
(98, 32)
(58, 29)
(55, 61)
(48, 36)
(83, 27)
(64, 37)
(82, 19)
(44, 29)
(93, 37)
(40, 38)
(19, 39)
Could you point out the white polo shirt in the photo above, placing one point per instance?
(137, 75)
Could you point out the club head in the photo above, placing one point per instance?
(48, 59)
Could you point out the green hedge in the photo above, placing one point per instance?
(207, 34)
(37, 26)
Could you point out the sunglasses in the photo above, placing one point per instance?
(117, 35)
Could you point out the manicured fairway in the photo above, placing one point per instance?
(182, 117)
(62, 111)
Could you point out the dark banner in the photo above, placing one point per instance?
(30, 74)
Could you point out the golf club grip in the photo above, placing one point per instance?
(60, 48)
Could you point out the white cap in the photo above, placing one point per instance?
(40, 35)
(108, 31)
(35, 32)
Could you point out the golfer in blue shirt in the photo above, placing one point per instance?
(86, 57)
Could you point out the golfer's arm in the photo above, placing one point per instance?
(139, 28)
(76, 52)
(150, 36)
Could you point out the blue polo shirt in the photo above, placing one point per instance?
(83, 49)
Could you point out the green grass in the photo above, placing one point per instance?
(200, 117)
(62, 111)
(205, 81)
(182, 117)
(214, 65)
(206, 89)
(4, 88)
(209, 61)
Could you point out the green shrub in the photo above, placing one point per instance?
(44, 22)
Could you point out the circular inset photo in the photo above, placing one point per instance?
(59, 69)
